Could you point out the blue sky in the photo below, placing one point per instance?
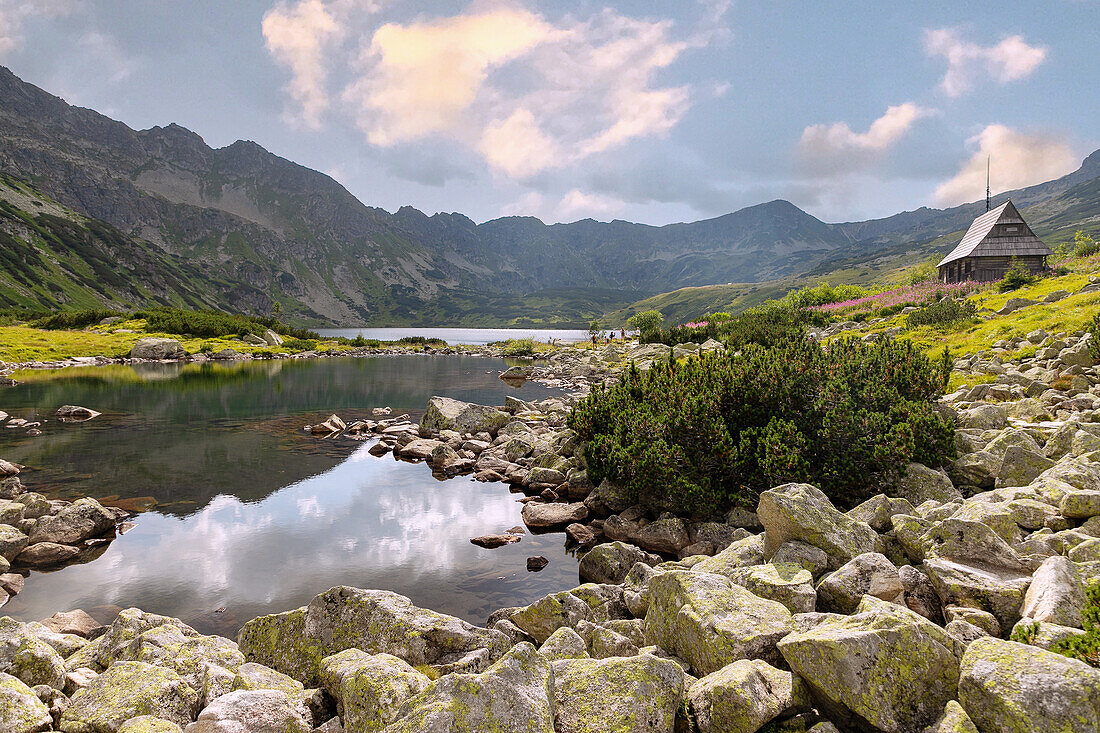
(646, 111)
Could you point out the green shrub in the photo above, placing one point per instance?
(1084, 245)
(1087, 647)
(421, 341)
(822, 294)
(294, 344)
(519, 347)
(12, 316)
(945, 312)
(214, 324)
(71, 320)
(721, 428)
(768, 325)
(1018, 276)
(647, 324)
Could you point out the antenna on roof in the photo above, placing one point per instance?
(988, 202)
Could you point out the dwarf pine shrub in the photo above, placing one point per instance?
(944, 312)
(719, 429)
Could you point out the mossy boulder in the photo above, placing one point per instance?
(787, 583)
(511, 696)
(444, 413)
(369, 689)
(883, 669)
(953, 720)
(743, 696)
(206, 663)
(710, 622)
(565, 643)
(617, 695)
(1081, 504)
(1006, 686)
(20, 709)
(111, 646)
(803, 512)
(157, 349)
(375, 621)
(1056, 594)
(742, 553)
(921, 483)
(611, 561)
(252, 711)
(999, 591)
(81, 520)
(12, 542)
(127, 690)
(589, 602)
(24, 655)
(868, 574)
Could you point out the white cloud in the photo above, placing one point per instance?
(421, 79)
(1010, 60)
(296, 35)
(1017, 160)
(525, 92)
(14, 13)
(837, 148)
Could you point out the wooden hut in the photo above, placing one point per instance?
(990, 245)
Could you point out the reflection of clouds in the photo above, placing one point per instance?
(370, 523)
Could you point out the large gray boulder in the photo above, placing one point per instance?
(804, 513)
(611, 561)
(744, 696)
(369, 689)
(1056, 594)
(787, 583)
(81, 520)
(206, 663)
(127, 690)
(708, 621)
(12, 542)
(998, 590)
(1005, 686)
(444, 413)
(740, 554)
(589, 602)
(883, 669)
(251, 711)
(921, 483)
(667, 536)
(24, 655)
(538, 515)
(375, 621)
(640, 693)
(511, 696)
(157, 349)
(20, 709)
(868, 574)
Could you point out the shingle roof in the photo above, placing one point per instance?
(978, 241)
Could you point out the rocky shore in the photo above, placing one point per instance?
(896, 616)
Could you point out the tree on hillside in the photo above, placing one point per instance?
(593, 328)
(646, 323)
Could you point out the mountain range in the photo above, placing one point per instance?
(93, 212)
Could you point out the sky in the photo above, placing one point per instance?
(632, 109)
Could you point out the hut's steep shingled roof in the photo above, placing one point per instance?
(977, 241)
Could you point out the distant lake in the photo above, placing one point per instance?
(253, 515)
(473, 336)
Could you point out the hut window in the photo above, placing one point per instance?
(1012, 229)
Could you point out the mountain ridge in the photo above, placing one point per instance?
(262, 229)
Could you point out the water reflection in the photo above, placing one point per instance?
(257, 516)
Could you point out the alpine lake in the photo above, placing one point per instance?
(240, 512)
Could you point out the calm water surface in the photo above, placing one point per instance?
(458, 335)
(250, 514)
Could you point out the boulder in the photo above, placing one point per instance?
(640, 693)
(1021, 466)
(24, 655)
(1014, 304)
(564, 643)
(876, 511)
(710, 622)
(742, 553)
(667, 536)
(610, 562)
(588, 602)
(744, 696)
(999, 591)
(149, 724)
(251, 711)
(369, 688)
(206, 663)
(76, 413)
(982, 417)
(375, 621)
(46, 554)
(608, 498)
(539, 515)
(883, 669)
(511, 696)
(157, 349)
(81, 520)
(803, 512)
(127, 690)
(789, 584)
(921, 483)
(953, 719)
(869, 574)
(20, 709)
(12, 542)
(1081, 504)
(809, 557)
(1056, 594)
(1006, 686)
(420, 448)
(72, 622)
(444, 413)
